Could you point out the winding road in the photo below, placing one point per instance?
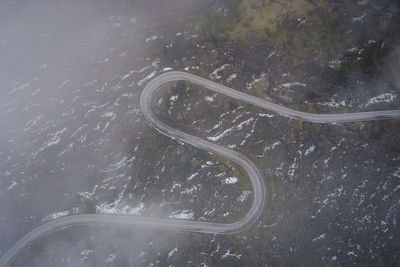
(256, 177)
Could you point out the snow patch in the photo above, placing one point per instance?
(234, 128)
(125, 210)
(184, 215)
(289, 85)
(23, 86)
(56, 215)
(244, 195)
(357, 19)
(191, 190)
(172, 252)
(209, 98)
(109, 114)
(63, 84)
(383, 98)
(54, 140)
(215, 75)
(151, 38)
(293, 168)
(231, 77)
(110, 258)
(230, 180)
(321, 237)
(255, 81)
(145, 79)
(309, 150)
(334, 104)
(265, 115)
(13, 184)
(229, 254)
(192, 176)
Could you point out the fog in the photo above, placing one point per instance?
(63, 119)
(69, 110)
(73, 139)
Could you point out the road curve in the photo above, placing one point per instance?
(256, 177)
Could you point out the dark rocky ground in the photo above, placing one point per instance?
(334, 190)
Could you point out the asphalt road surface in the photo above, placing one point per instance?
(256, 177)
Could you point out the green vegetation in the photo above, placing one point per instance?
(154, 141)
(195, 163)
(158, 46)
(266, 15)
(238, 171)
(256, 91)
(215, 22)
(301, 28)
(244, 182)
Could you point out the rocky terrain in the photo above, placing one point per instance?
(74, 140)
